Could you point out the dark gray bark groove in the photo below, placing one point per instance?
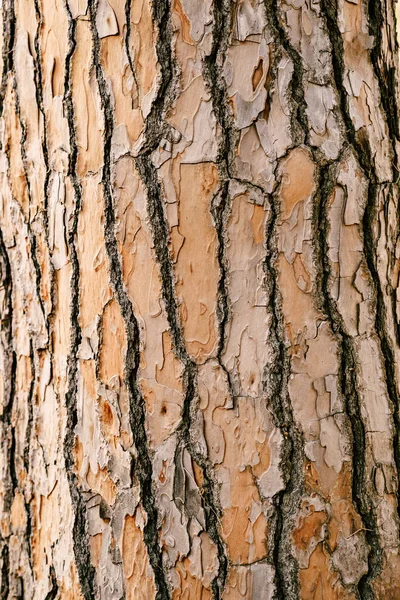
(142, 465)
(86, 571)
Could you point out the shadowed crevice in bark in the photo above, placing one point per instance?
(293, 460)
(32, 236)
(52, 594)
(5, 568)
(38, 277)
(213, 74)
(26, 459)
(39, 100)
(386, 73)
(159, 228)
(155, 129)
(44, 218)
(210, 500)
(346, 344)
(155, 126)
(44, 215)
(220, 210)
(29, 406)
(8, 438)
(8, 11)
(276, 377)
(389, 95)
(143, 466)
(86, 572)
(10, 364)
(362, 151)
(298, 115)
(30, 410)
(369, 221)
(221, 204)
(347, 377)
(128, 7)
(6, 316)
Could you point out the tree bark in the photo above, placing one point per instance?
(199, 300)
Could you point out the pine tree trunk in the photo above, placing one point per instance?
(199, 299)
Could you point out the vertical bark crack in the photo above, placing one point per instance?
(143, 466)
(8, 437)
(128, 7)
(86, 571)
(348, 383)
(9, 20)
(155, 128)
(363, 154)
(298, 115)
(8, 46)
(276, 379)
(5, 568)
(212, 70)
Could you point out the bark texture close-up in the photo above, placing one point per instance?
(199, 300)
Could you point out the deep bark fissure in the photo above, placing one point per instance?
(390, 100)
(363, 154)
(220, 209)
(30, 410)
(52, 594)
(14, 477)
(86, 571)
(8, 46)
(9, 19)
(388, 97)
(155, 127)
(276, 380)
(40, 104)
(128, 7)
(32, 236)
(6, 416)
(5, 569)
(44, 214)
(384, 74)
(381, 325)
(38, 278)
(7, 329)
(221, 204)
(348, 384)
(365, 504)
(298, 115)
(288, 501)
(159, 228)
(143, 465)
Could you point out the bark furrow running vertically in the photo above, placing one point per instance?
(364, 154)
(143, 466)
(155, 128)
(292, 458)
(348, 384)
(85, 569)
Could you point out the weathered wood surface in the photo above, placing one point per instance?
(200, 305)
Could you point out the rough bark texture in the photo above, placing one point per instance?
(200, 301)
